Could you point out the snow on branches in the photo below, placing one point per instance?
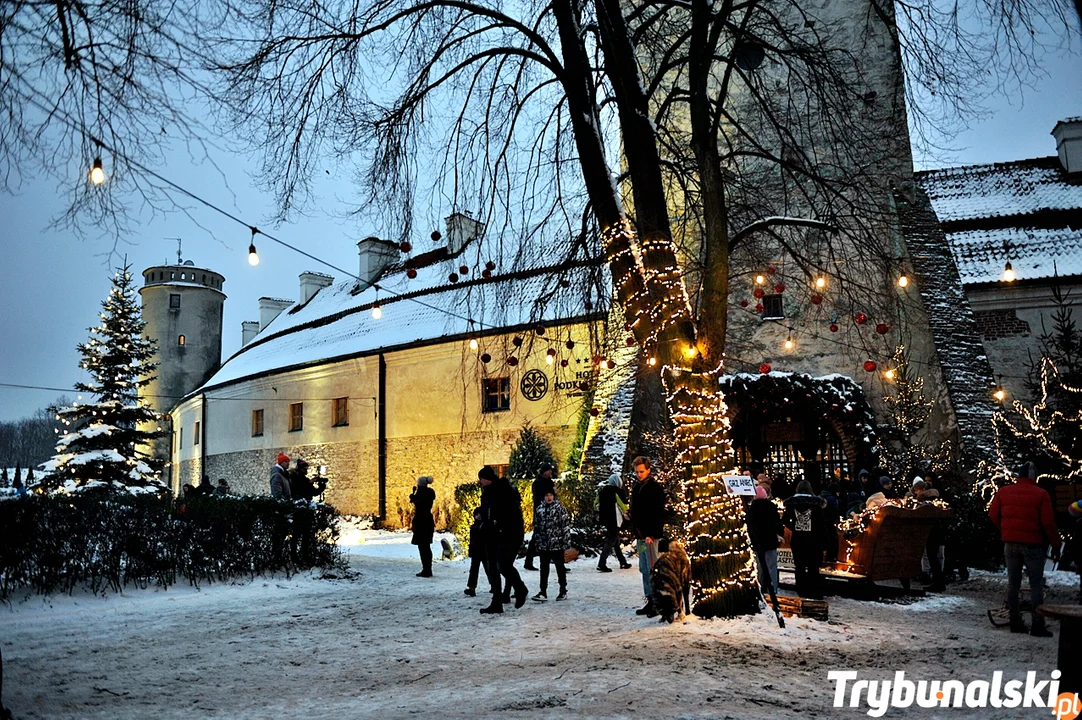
(103, 446)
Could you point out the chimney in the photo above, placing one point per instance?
(270, 308)
(311, 283)
(376, 255)
(461, 229)
(1068, 134)
(248, 330)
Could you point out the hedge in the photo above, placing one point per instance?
(106, 542)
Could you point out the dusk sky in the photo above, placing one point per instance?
(54, 282)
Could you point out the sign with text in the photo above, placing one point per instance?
(739, 484)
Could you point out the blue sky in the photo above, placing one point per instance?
(53, 282)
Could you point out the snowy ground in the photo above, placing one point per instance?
(386, 644)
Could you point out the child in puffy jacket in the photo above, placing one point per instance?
(552, 531)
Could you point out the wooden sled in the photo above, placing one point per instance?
(1001, 616)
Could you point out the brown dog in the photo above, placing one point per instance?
(671, 582)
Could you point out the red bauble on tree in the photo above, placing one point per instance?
(411, 273)
(516, 341)
(816, 299)
(758, 307)
(779, 287)
(860, 318)
(570, 344)
(610, 364)
(406, 246)
(565, 283)
(464, 269)
(435, 236)
(833, 327)
(512, 361)
(882, 328)
(594, 412)
(764, 368)
(453, 277)
(758, 293)
(586, 304)
(539, 330)
(563, 363)
(630, 342)
(486, 273)
(870, 365)
(485, 357)
(770, 270)
(743, 303)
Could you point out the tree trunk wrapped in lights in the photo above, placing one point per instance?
(721, 560)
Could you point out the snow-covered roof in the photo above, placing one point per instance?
(1028, 212)
(337, 322)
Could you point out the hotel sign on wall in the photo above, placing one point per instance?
(535, 384)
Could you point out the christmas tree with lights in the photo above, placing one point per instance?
(102, 447)
(908, 409)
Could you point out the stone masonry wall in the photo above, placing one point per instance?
(995, 324)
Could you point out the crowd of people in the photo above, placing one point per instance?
(1022, 511)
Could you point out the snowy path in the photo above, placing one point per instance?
(387, 644)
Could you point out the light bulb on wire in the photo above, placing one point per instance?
(97, 172)
(473, 343)
(1008, 273)
(789, 343)
(903, 280)
(253, 256)
(377, 311)
(820, 282)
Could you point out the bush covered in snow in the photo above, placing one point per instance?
(107, 541)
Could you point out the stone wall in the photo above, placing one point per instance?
(353, 478)
(995, 324)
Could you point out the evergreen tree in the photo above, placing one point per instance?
(908, 409)
(3, 477)
(529, 454)
(16, 483)
(104, 441)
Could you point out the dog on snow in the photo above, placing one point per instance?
(670, 580)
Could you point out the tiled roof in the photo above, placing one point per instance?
(1027, 212)
(1001, 189)
(337, 322)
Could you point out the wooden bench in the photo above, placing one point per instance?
(890, 548)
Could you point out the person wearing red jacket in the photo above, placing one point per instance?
(1023, 514)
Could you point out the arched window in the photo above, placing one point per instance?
(180, 339)
(204, 278)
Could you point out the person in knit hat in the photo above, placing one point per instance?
(424, 525)
(766, 533)
(279, 478)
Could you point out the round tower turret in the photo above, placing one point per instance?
(182, 308)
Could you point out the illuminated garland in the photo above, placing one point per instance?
(723, 570)
(853, 526)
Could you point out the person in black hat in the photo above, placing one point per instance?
(542, 486)
(503, 531)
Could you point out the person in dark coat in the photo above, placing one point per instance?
(300, 487)
(766, 533)
(542, 485)
(552, 528)
(423, 525)
(279, 478)
(648, 521)
(832, 493)
(612, 513)
(501, 521)
(1074, 541)
(477, 554)
(1023, 513)
(223, 487)
(804, 516)
(866, 484)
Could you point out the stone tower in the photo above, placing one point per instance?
(182, 307)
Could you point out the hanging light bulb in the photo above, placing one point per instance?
(377, 311)
(690, 352)
(651, 361)
(473, 343)
(97, 173)
(253, 256)
(889, 374)
(1008, 273)
(903, 280)
(1000, 394)
(789, 343)
(549, 359)
(760, 279)
(820, 282)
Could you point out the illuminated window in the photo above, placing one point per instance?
(340, 411)
(257, 422)
(180, 339)
(197, 433)
(496, 394)
(296, 417)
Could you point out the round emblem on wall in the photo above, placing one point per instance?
(534, 385)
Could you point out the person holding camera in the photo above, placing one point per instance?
(424, 526)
